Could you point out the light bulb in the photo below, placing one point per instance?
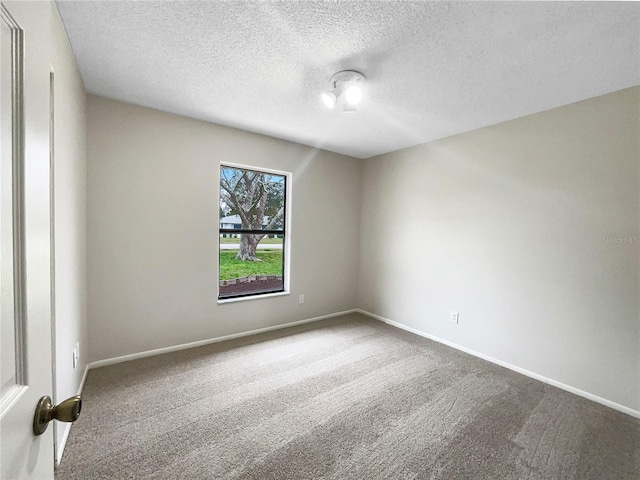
(329, 99)
(353, 95)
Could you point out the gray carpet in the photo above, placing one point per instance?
(346, 398)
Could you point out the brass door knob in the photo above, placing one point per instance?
(67, 411)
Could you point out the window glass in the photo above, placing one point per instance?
(252, 233)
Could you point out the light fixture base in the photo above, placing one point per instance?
(346, 76)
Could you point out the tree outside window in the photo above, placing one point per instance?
(252, 233)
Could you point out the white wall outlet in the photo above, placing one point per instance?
(301, 299)
(454, 317)
(76, 355)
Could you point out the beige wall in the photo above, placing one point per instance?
(69, 174)
(509, 225)
(152, 229)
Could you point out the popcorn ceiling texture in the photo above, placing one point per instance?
(434, 69)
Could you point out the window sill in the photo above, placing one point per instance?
(252, 297)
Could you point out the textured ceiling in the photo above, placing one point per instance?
(434, 69)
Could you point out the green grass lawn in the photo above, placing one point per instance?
(270, 241)
(231, 268)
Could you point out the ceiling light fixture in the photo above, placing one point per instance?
(346, 88)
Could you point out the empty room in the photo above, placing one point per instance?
(268, 239)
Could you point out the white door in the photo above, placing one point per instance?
(24, 241)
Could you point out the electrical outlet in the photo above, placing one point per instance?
(301, 299)
(76, 355)
(454, 317)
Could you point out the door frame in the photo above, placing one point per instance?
(52, 261)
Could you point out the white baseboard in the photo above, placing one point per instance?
(550, 381)
(200, 343)
(84, 379)
(67, 426)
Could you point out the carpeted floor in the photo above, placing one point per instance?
(346, 398)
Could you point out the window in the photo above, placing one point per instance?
(252, 232)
